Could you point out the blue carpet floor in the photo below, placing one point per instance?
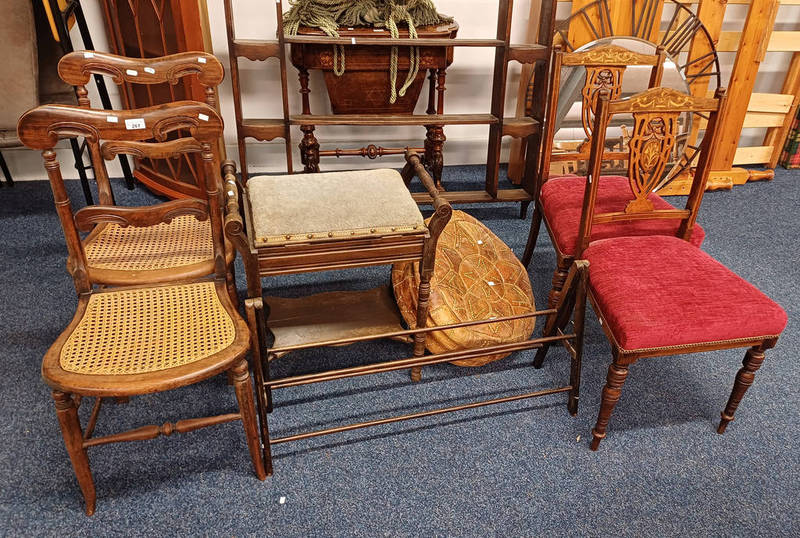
(522, 469)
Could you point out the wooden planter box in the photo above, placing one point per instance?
(364, 86)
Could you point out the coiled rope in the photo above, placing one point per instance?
(330, 15)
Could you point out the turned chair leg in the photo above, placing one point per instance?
(744, 378)
(611, 393)
(533, 235)
(244, 394)
(73, 439)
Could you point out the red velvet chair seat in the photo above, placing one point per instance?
(562, 203)
(660, 291)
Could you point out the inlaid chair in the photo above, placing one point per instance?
(660, 295)
(121, 255)
(135, 339)
(560, 198)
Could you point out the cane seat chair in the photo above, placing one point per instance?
(118, 255)
(560, 199)
(132, 340)
(660, 295)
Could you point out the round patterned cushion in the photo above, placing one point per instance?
(476, 277)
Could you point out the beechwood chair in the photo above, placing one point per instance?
(660, 295)
(135, 339)
(182, 247)
(560, 198)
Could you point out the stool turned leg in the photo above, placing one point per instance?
(73, 439)
(244, 394)
(611, 393)
(744, 378)
(422, 320)
(533, 235)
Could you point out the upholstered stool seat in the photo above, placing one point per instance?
(152, 254)
(660, 292)
(336, 205)
(129, 333)
(562, 203)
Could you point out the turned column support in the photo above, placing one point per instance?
(309, 146)
(611, 393)
(744, 378)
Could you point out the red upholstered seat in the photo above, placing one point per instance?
(660, 291)
(562, 202)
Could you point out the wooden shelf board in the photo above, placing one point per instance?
(256, 49)
(377, 119)
(520, 127)
(387, 42)
(263, 129)
(332, 316)
(476, 197)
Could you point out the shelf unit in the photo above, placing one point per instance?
(527, 127)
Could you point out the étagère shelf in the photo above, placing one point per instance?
(527, 127)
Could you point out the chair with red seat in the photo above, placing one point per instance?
(660, 295)
(560, 199)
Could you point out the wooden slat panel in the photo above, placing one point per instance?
(779, 41)
(776, 103)
(791, 85)
(759, 22)
(757, 119)
(752, 155)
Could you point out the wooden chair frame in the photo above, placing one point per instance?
(611, 60)
(318, 255)
(41, 128)
(77, 69)
(652, 108)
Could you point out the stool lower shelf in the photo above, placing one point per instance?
(328, 317)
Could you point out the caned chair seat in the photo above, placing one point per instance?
(659, 292)
(562, 203)
(125, 255)
(129, 334)
(336, 205)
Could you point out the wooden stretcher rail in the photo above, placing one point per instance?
(422, 414)
(410, 332)
(405, 364)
